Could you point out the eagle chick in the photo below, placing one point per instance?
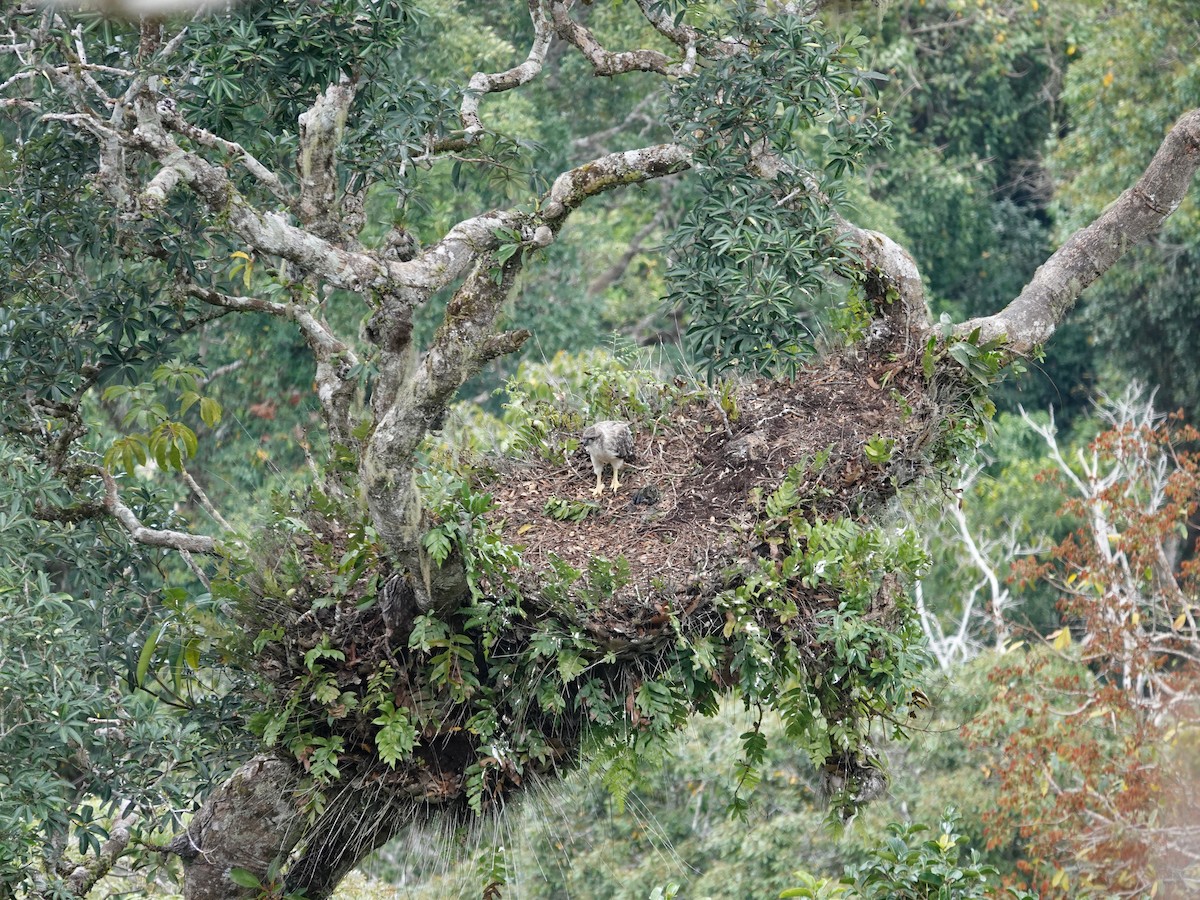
(608, 443)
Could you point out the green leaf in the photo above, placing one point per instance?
(187, 400)
(570, 665)
(244, 878)
(147, 654)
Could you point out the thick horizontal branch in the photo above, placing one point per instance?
(1033, 317)
(572, 188)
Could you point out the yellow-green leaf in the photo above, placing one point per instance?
(210, 412)
(187, 400)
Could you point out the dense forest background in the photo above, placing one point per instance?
(1058, 555)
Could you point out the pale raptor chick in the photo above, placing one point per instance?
(608, 443)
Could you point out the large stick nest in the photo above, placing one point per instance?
(683, 523)
(684, 518)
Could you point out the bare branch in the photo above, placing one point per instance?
(482, 83)
(205, 502)
(595, 142)
(269, 179)
(220, 371)
(571, 188)
(267, 232)
(1033, 317)
(605, 62)
(151, 537)
(333, 355)
(617, 270)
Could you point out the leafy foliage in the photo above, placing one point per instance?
(755, 252)
(107, 699)
(911, 866)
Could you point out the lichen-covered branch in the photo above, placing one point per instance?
(269, 232)
(1033, 317)
(605, 62)
(883, 258)
(483, 83)
(85, 875)
(321, 128)
(265, 176)
(248, 822)
(413, 402)
(572, 188)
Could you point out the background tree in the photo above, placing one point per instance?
(1106, 725)
(409, 636)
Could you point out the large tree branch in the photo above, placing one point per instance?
(269, 232)
(573, 187)
(1033, 317)
(250, 821)
(204, 138)
(410, 401)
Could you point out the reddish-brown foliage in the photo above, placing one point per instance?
(1092, 738)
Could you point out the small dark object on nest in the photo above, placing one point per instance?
(648, 495)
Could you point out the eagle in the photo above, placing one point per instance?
(608, 443)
